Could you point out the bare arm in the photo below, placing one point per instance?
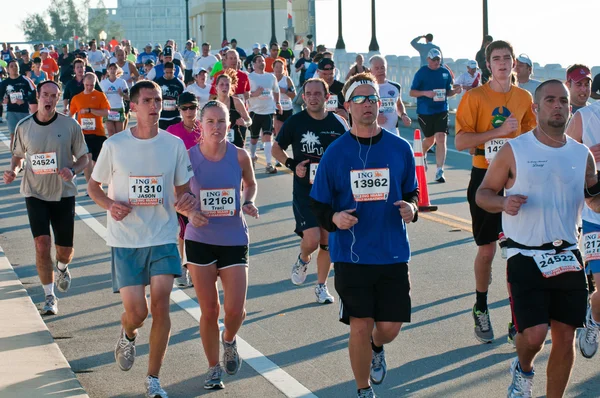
(591, 179)
(420, 93)
(575, 128)
(99, 112)
(248, 184)
(291, 89)
(279, 153)
(239, 106)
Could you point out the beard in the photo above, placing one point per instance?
(557, 123)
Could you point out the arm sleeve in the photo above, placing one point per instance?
(466, 115)
(416, 83)
(103, 169)
(104, 103)
(73, 106)
(18, 149)
(324, 214)
(284, 138)
(415, 43)
(151, 75)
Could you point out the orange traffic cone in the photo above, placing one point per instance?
(424, 204)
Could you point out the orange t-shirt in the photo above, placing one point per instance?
(90, 123)
(49, 66)
(269, 64)
(483, 109)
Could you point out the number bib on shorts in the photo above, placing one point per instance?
(169, 105)
(230, 135)
(114, 116)
(332, 103)
(440, 94)
(218, 202)
(591, 246)
(492, 147)
(286, 103)
(388, 105)
(313, 172)
(146, 190)
(15, 96)
(370, 184)
(88, 123)
(44, 163)
(555, 264)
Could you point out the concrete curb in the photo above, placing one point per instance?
(32, 364)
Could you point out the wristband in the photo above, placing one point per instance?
(291, 164)
(248, 202)
(72, 171)
(191, 194)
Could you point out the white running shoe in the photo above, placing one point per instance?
(323, 296)
(63, 279)
(299, 270)
(153, 388)
(184, 280)
(588, 337)
(521, 385)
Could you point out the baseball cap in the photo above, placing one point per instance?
(189, 41)
(524, 58)
(149, 45)
(256, 46)
(434, 53)
(44, 50)
(168, 51)
(264, 46)
(200, 71)
(187, 98)
(149, 62)
(326, 64)
(225, 49)
(472, 64)
(102, 43)
(579, 74)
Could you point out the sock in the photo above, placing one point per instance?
(268, 155)
(522, 371)
(375, 348)
(440, 169)
(133, 339)
(363, 389)
(481, 301)
(154, 377)
(321, 284)
(252, 150)
(61, 266)
(49, 289)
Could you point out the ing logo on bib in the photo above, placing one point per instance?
(499, 115)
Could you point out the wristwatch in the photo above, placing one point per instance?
(72, 171)
(248, 202)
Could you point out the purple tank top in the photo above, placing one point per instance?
(217, 187)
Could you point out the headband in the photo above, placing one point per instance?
(360, 83)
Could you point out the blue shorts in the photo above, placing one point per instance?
(589, 244)
(136, 266)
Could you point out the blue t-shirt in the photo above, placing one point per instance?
(143, 57)
(380, 233)
(427, 79)
(241, 52)
(310, 71)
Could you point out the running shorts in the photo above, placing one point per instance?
(486, 226)
(260, 122)
(203, 254)
(436, 123)
(60, 215)
(94, 143)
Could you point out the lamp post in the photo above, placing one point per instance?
(187, 20)
(224, 22)
(374, 46)
(340, 45)
(102, 35)
(485, 18)
(273, 37)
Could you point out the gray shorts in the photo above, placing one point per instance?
(12, 118)
(136, 266)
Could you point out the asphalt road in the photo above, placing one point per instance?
(291, 341)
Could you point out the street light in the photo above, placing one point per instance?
(340, 45)
(273, 37)
(485, 18)
(102, 35)
(374, 46)
(224, 22)
(187, 20)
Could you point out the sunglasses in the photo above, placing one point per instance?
(360, 99)
(187, 108)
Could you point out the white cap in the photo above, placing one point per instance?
(472, 64)
(102, 43)
(44, 50)
(256, 46)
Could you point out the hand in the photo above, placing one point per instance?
(407, 210)
(595, 149)
(185, 203)
(343, 220)
(240, 122)
(250, 210)
(509, 126)
(66, 174)
(472, 151)
(381, 119)
(457, 89)
(430, 94)
(406, 120)
(119, 211)
(279, 109)
(301, 168)
(197, 219)
(258, 91)
(512, 204)
(9, 176)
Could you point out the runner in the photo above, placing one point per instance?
(205, 60)
(19, 92)
(171, 90)
(216, 240)
(487, 117)
(524, 71)
(274, 54)
(391, 97)
(159, 70)
(6, 54)
(287, 92)
(432, 86)
(424, 48)
(480, 58)
(145, 56)
(579, 80)
(301, 65)
(544, 272)
(91, 106)
(96, 59)
(263, 103)
(471, 78)
(49, 65)
(358, 66)
(242, 88)
(116, 91)
(76, 85)
(188, 59)
(142, 224)
(130, 75)
(200, 89)
(240, 51)
(25, 63)
(37, 75)
(288, 55)
(309, 133)
(371, 256)
(250, 58)
(48, 142)
(239, 119)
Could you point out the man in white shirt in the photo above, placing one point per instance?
(205, 60)
(471, 78)
(524, 69)
(96, 58)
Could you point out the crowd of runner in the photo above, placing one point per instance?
(178, 183)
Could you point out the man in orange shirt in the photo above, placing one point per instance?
(91, 106)
(272, 57)
(49, 65)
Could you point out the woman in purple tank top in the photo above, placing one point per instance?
(216, 238)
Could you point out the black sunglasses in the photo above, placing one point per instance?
(360, 99)
(185, 108)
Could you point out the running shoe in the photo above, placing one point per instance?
(299, 271)
(588, 336)
(63, 279)
(366, 393)
(214, 378)
(323, 296)
(153, 388)
(125, 351)
(184, 280)
(50, 305)
(439, 176)
(483, 326)
(521, 385)
(512, 334)
(270, 169)
(278, 164)
(231, 358)
(378, 367)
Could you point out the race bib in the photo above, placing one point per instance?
(266, 94)
(440, 94)
(146, 190)
(388, 105)
(555, 264)
(591, 246)
(286, 103)
(313, 172)
(492, 147)
(230, 134)
(114, 116)
(370, 184)
(44, 163)
(332, 103)
(15, 96)
(169, 105)
(218, 202)
(88, 123)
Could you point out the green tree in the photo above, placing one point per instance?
(66, 18)
(36, 28)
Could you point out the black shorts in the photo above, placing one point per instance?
(535, 300)
(202, 255)
(436, 123)
(486, 226)
(99, 75)
(285, 115)
(183, 222)
(303, 214)
(61, 215)
(94, 143)
(126, 107)
(381, 292)
(164, 124)
(188, 76)
(260, 122)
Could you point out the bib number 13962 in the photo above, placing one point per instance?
(370, 184)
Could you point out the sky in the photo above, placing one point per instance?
(540, 28)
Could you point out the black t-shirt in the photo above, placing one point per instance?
(596, 84)
(171, 89)
(19, 88)
(336, 89)
(309, 139)
(24, 67)
(66, 60)
(74, 87)
(68, 73)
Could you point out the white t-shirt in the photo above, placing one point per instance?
(264, 104)
(530, 86)
(467, 80)
(202, 94)
(122, 159)
(389, 93)
(111, 90)
(96, 60)
(204, 62)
